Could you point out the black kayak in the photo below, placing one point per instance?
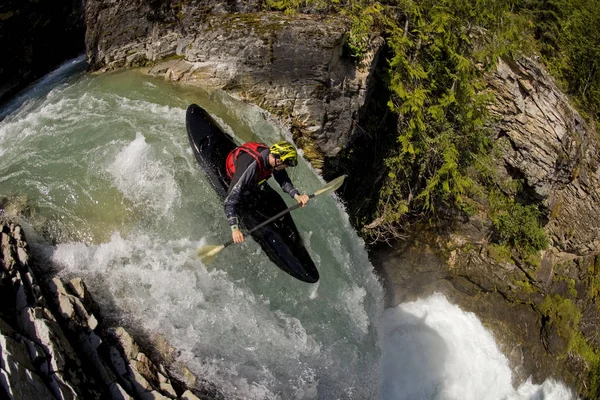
(280, 239)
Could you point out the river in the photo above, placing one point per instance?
(104, 164)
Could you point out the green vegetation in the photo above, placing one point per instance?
(443, 156)
(499, 253)
(568, 33)
(517, 225)
(565, 316)
(525, 286)
(593, 278)
(439, 159)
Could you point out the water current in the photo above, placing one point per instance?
(104, 162)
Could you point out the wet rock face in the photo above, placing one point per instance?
(36, 36)
(548, 144)
(53, 347)
(295, 67)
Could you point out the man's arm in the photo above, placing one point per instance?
(285, 182)
(286, 185)
(242, 179)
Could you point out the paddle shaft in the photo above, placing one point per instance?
(273, 218)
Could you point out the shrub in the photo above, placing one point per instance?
(517, 225)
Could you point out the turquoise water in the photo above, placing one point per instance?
(106, 162)
(105, 165)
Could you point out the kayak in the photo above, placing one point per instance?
(280, 240)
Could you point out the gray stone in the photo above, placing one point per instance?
(554, 150)
(47, 333)
(78, 287)
(118, 393)
(117, 361)
(22, 255)
(18, 375)
(130, 348)
(67, 392)
(166, 387)
(12, 351)
(71, 308)
(140, 384)
(188, 395)
(154, 395)
(65, 304)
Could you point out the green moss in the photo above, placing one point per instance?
(525, 286)
(564, 314)
(593, 391)
(591, 357)
(173, 57)
(534, 259)
(593, 278)
(468, 207)
(579, 345)
(517, 225)
(571, 289)
(499, 253)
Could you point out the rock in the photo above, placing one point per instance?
(17, 376)
(78, 288)
(34, 323)
(117, 361)
(35, 38)
(295, 67)
(52, 347)
(117, 392)
(128, 346)
(168, 388)
(71, 307)
(187, 395)
(550, 145)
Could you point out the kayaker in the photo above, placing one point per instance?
(249, 166)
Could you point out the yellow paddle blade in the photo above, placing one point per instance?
(331, 186)
(209, 252)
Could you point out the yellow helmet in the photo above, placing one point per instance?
(286, 152)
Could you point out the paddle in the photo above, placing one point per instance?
(209, 252)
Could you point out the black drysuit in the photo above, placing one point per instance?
(245, 180)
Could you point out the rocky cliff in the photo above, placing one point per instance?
(36, 36)
(295, 67)
(52, 346)
(545, 310)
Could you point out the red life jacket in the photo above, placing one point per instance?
(254, 149)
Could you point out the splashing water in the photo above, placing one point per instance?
(106, 161)
(434, 350)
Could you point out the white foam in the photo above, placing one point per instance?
(226, 331)
(255, 334)
(434, 350)
(142, 178)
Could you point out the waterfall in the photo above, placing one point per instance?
(106, 163)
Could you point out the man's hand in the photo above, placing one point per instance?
(237, 236)
(302, 198)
